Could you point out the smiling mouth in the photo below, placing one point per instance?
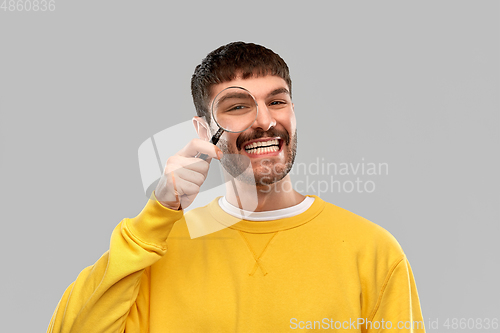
(263, 147)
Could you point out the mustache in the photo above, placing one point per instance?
(257, 134)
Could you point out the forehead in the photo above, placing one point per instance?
(259, 86)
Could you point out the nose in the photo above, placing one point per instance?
(265, 119)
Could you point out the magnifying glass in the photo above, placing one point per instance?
(234, 110)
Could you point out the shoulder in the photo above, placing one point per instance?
(360, 232)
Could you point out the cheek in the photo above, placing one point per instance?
(230, 138)
(226, 137)
(213, 129)
(289, 122)
(293, 124)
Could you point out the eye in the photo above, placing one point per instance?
(278, 104)
(238, 109)
(235, 108)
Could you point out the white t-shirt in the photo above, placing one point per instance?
(268, 215)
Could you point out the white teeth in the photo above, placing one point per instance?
(263, 150)
(262, 143)
(267, 147)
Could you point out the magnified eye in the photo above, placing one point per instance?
(234, 109)
(239, 107)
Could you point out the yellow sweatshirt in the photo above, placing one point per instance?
(324, 269)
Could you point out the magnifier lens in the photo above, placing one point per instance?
(234, 109)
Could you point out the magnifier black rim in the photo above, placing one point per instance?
(215, 119)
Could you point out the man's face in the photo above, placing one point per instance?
(274, 131)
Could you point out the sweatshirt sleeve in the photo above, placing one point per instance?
(113, 293)
(398, 306)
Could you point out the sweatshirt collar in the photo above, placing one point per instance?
(265, 226)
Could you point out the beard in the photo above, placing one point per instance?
(267, 172)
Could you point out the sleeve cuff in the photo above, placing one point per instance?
(154, 222)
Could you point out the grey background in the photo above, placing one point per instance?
(411, 84)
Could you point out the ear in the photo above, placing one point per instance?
(202, 128)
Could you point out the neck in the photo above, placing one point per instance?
(262, 198)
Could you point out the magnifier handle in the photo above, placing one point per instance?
(202, 156)
(214, 141)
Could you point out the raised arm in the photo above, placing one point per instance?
(112, 295)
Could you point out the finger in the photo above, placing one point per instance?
(186, 200)
(175, 162)
(196, 146)
(185, 186)
(190, 176)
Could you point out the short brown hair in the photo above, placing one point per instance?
(226, 63)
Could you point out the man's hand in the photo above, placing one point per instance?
(184, 174)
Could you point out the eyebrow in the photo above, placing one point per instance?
(232, 95)
(275, 92)
(278, 91)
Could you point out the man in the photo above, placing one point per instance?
(293, 262)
